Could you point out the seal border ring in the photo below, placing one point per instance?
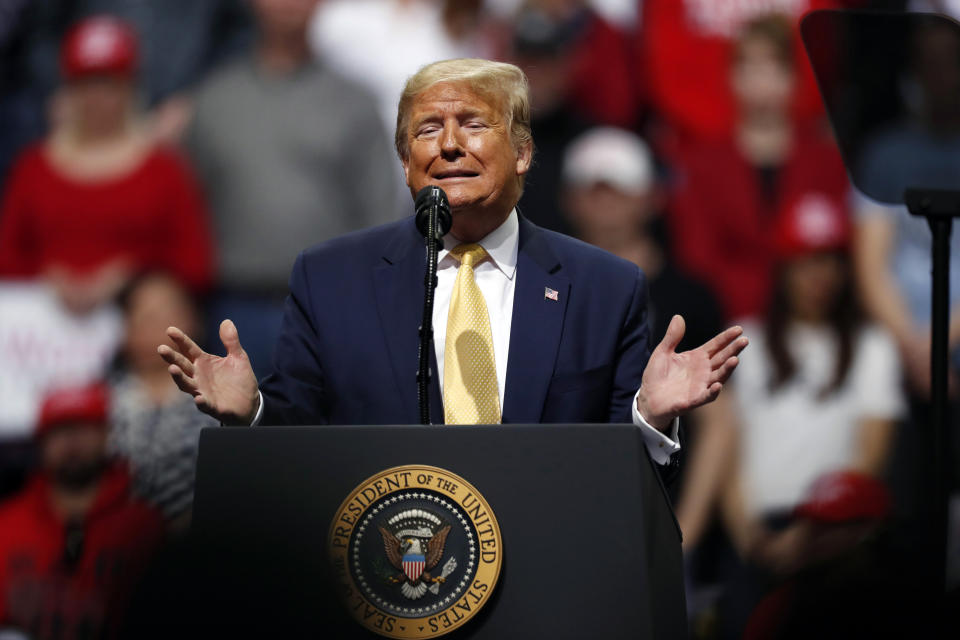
(344, 580)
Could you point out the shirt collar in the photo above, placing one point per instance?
(501, 245)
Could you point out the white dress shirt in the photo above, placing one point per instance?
(496, 278)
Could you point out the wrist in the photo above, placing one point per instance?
(657, 421)
(242, 419)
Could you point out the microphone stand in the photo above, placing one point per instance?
(426, 324)
(433, 220)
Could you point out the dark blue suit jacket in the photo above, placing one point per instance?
(347, 353)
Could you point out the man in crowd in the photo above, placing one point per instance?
(290, 153)
(73, 543)
(611, 196)
(564, 323)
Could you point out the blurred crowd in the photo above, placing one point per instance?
(162, 162)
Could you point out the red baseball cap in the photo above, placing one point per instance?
(844, 496)
(99, 45)
(813, 223)
(86, 404)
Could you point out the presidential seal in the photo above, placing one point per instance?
(416, 552)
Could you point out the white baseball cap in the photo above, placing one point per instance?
(610, 155)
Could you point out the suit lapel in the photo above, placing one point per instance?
(400, 306)
(536, 326)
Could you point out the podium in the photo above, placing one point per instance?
(588, 543)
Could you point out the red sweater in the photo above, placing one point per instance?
(685, 51)
(722, 225)
(39, 593)
(601, 87)
(153, 216)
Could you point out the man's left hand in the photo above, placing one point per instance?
(674, 383)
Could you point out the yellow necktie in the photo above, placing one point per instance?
(470, 393)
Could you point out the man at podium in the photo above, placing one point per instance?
(530, 326)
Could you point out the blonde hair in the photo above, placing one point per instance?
(505, 83)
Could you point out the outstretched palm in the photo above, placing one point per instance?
(224, 387)
(674, 383)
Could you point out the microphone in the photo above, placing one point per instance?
(432, 198)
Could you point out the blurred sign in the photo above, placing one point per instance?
(42, 345)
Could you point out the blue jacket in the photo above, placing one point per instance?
(347, 353)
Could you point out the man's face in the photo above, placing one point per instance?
(284, 17)
(461, 142)
(762, 83)
(101, 102)
(73, 455)
(549, 77)
(602, 210)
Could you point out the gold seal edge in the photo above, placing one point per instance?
(496, 570)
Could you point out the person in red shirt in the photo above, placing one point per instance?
(684, 50)
(99, 200)
(73, 543)
(729, 194)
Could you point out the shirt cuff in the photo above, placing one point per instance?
(256, 418)
(660, 445)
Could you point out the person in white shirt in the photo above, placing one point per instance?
(822, 394)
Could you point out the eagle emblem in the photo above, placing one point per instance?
(415, 553)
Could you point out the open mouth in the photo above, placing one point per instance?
(455, 173)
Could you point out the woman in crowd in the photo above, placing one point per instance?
(821, 394)
(154, 426)
(729, 193)
(99, 199)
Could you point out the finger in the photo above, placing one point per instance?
(725, 370)
(723, 373)
(186, 346)
(230, 338)
(674, 334)
(732, 349)
(713, 391)
(184, 382)
(721, 340)
(175, 357)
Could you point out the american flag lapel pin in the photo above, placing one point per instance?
(551, 294)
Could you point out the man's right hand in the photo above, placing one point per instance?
(225, 388)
